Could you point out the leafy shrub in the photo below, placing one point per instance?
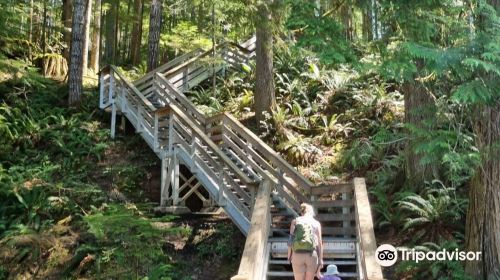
(434, 215)
(439, 270)
(223, 246)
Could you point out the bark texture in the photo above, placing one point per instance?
(482, 232)
(483, 216)
(86, 39)
(265, 100)
(110, 38)
(419, 113)
(96, 38)
(67, 12)
(154, 34)
(135, 43)
(76, 52)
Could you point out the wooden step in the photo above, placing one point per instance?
(338, 188)
(326, 262)
(290, 274)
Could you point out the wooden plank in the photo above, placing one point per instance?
(370, 268)
(252, 264)
(339, 230)
(174, 62)
(245, 147)
(335, 217)
(332, 203)
(330, 189)
(180, 78)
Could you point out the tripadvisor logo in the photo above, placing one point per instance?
(387, 255)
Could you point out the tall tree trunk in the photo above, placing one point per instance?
(419, 111)
(86, 39)
(347, 21)
(482, 232)
(116, 53)
(76, 52)
(44, 29)
(67, 12)
(367, 23)
(109, 47)
(265, 100)
(125, 41)
(135, 43)
(30, 36)
(154, 34)
(95, 50)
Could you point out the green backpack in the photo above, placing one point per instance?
(303, 237)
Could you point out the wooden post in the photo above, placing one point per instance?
(366, 236)
(174, 179)
(138, 127)
(113, 119)
(253, 264)
(170, 133)
(164, 182)
(101, 90)
(156, 144)
(111, 85)
(220, 199)
(346, 210)
(185, 86)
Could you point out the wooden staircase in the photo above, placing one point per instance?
(255, 186)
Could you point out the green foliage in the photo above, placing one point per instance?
(131, 241)
(435, 214)
(322, 35)
(440, 270)
(219, 244)
(184, 37)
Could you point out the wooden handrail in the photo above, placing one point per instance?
(189, 106)
(202, 136)
(252, 264)
(133, 89)
(159, 69)
(274, 157)
(366, 237)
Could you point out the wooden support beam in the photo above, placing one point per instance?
(113, 120)
(164, 182)
(174, 179)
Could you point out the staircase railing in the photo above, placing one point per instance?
(369, 268)
(253, 263)
(292, 186)
(183, 134)
(206, 156)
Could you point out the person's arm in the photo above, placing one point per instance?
(292, 230)
(320, 247)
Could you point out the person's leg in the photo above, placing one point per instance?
(299, 266)
(312, 263)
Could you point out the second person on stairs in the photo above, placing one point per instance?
(305, 246)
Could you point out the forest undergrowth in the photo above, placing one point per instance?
(77, 204)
